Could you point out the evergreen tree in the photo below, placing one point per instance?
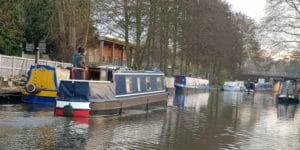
(38, 13)
(11, 27)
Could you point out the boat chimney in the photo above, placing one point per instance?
(37, 54)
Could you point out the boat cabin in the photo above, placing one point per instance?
(121, 84)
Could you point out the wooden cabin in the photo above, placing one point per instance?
(107, 51)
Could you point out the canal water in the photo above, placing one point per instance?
(208, 121)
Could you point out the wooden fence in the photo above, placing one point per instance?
(12, 66)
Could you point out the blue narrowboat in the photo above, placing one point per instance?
(118, 90)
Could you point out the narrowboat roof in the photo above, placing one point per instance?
(127, 70)
(110, 67)
(153, 70)
(96, 81)
(137, 73)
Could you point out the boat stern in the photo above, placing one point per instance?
(72, 109)
(42, 84)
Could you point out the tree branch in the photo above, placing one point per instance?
(292, 4)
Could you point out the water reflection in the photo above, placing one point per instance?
(179, 100)
(21, 129)
(38, 107)
(70, 133)
(191, 101)
(286, 111)
(230, 120)
(130, 132)
(232, 98)
(212, 120)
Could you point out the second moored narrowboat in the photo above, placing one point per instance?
(183, 83)
(42, 83)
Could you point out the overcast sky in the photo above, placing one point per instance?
(251, 8)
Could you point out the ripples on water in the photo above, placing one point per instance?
(212, 120)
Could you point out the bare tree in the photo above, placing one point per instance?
(281, 26)
(71, 28)
(197, 37)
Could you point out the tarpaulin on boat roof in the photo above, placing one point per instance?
(102, 91)
(86, 91)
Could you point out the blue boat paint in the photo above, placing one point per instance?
(179, 81)
(37, 99)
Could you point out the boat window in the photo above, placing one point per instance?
(148, 84)
(103, 75)
(139, 84)
(158, 83)
(129, 88)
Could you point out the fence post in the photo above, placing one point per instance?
(26, 63)
(0, 61)
(12, 67)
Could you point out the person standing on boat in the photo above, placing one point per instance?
(250, 86)
(79, 64)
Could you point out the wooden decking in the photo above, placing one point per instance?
(11, 90)
(10, 95)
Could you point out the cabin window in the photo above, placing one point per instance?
(129, 87)
(148, 84)
(103, 75)
(159, 83)
(139, 84)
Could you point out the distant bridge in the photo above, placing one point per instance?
(270, 74)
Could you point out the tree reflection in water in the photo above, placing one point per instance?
(191, 101)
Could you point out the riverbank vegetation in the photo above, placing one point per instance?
(199, 38)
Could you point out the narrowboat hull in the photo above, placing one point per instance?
(184, 85)
(264, 87)
(76, 109)
(87, 109)
(234, 86)
(187, 90)
(37, 99)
